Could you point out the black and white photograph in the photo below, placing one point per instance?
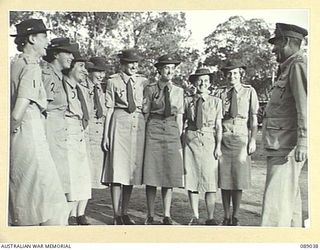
(130, 118)
(192, 119)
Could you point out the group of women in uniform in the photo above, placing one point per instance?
(151, 134)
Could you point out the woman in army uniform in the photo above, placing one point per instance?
(163, 164)
(59, 56)
(240, 108)
(35, 191)
(77, 118)
(124, 134)
(203, 114)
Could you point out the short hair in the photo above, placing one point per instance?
(51, 55)
(21, 41)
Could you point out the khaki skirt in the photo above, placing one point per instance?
(35, 191)
(56, 131)
(125, 159)
(235, 163)
(80, 179)
(163, 163)
(201, 167)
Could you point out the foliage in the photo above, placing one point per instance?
(246, 40)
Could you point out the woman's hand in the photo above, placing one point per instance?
(217, 153)
(252, 146)
(106, 144)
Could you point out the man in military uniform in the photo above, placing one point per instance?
(285, 130)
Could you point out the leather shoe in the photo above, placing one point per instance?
(127, 220)
(167, 221)
(72, 221)
(82, 220)
(211, 222)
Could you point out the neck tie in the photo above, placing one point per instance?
(199, 117)
(131, 104)
(84, 108)
(97, 103)
(167, 104)
(233, 105)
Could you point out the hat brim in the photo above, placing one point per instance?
(176, 63)
(228, 68)
(96, 68)
(272, 39)
(31, 33)
(68, 49)
(193, 76)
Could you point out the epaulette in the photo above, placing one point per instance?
(114, 76)
(246, 86)
(152, 84)
(299, 59)
(29, 60)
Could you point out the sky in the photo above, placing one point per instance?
(202, 23)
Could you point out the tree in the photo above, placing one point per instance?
(247, 40)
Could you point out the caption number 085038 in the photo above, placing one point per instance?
(306, 246)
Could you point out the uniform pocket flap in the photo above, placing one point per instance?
(281, 123)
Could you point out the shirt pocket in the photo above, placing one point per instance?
(279, 133)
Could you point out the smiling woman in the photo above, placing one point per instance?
(36, 195)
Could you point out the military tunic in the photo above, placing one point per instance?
(235, 163)
(126, 131)
(56, 126)
(284, 128)
(163, 163)
(78, 157)
(201, 167)
(35, 190)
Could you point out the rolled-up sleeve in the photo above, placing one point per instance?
(254, 103)
(30, 82)
(298, 85)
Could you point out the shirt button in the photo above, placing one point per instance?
(133, 126)
(80, 140)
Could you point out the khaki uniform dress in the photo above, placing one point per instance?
(239, 104)
(126, 131)
(56, 126)
(96, 129)
(78, 157)
(35, 190)
(285, 128)
(163, 163)
(201, 167)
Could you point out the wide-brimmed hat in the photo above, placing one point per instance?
(233, 64)
(97, 63)
(200, 72)
(77, 56)
(288, 30)
(62, 44)
(166, 59)
(30, 26)
(129, 55)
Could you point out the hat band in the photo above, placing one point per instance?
(290, 33)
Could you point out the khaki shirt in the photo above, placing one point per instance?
(116, 90)
(211, 111)
(285, 122)
(246, 100)
(74, 106)
(154, 99)
(56, 95)
(26, 81)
